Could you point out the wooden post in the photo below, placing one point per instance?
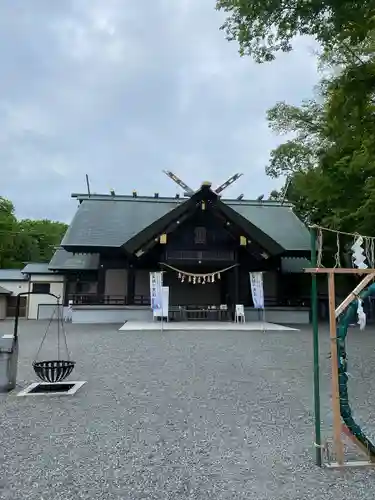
(236, 283)
(339, 449)
(353, 295)
(130, 287)
(101, 282)
(339, 428)
(338, 270)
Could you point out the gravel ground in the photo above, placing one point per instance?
(198, 415)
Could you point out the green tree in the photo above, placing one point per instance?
(8, 224)
(25, 249)
(43, 237)
(330, 160)
(26, 240)
(328, 157)
(263, 28)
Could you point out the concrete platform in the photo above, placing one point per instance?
(203, 325)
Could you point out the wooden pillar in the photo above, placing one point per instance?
(279, 290)
(223, 289)
(101, 281)
(66, 290)
(236, 285)
(130, 285)
(279, 283)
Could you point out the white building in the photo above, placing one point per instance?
(34, 277)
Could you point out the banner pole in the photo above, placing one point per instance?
(263, 307)
(257, 292)
(264, 318)
(161, 301)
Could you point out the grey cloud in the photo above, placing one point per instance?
(121, 90)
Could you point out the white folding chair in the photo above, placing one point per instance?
(68, 316)
(239, 316)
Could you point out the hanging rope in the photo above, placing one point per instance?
(198, 277)
(197, 274)
(369, 251)
(62, 326)
(337, 254)
(45, 334)
(60, 331)
(353, 242)
(368, 248)
(317, 227)
(320, 248)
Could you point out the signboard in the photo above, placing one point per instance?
(165, 300)
(156, 296)
(256, 285)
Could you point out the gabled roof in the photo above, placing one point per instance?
(260, 241)
(12, 275)
(37, 268)
(112, 221)
(4, 291)
(63, 260)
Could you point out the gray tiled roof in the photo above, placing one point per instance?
(65, 260)
(278, 221)
(36, 268)
(112, 222)
(4, 291)
(12, 275)
(103, 220)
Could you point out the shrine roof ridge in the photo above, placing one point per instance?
(172, 199)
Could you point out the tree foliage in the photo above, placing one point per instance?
(330, 162)
(263, 28)
(8, 224)
(328, 157)
(26, 240)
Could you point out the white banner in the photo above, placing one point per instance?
(165, 301)
(256, 285)
(156, 295)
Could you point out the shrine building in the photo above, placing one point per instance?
(205, 245)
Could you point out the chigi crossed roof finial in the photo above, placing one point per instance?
(188, 191)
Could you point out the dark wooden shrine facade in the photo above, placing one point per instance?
(201, 235)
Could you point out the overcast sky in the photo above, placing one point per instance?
(121, 89)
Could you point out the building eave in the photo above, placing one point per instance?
(250, 230)
(169, 222)
(153, 231)
(107, 223)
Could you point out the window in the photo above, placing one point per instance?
(200, 235)
(41, 287)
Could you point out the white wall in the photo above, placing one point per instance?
(57, 288)
(108, 314)
(15, 286)
(116, 282)
(3, 306)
